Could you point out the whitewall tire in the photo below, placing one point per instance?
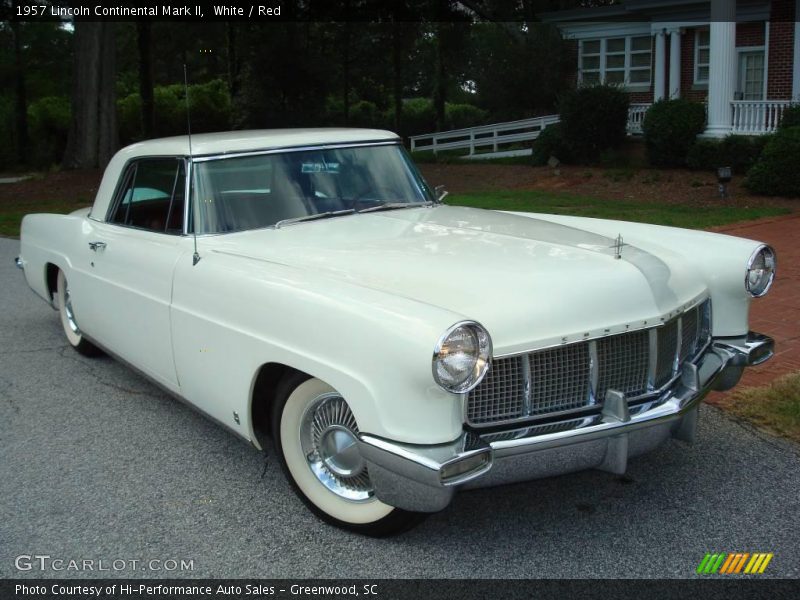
(315, 437)
(68, 321)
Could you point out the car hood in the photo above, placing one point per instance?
(530, 282)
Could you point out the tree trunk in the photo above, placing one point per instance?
(234, 66)
(440, 80)
(108, 138)
(20, 99)
(144, 41)
(93, 132)
(397, 75)
(346, 72)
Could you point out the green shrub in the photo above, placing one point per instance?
(670, 127)
(418, 116)
(459, 116)
(790, 117)
(365, 114)
(776, 173)
(593, 120)
(48, 128)
(739, 152)
(551, 143)
(209, 103)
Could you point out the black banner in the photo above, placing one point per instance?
(342, 10)
(733, 588)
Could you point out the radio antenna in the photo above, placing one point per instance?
(196, 255)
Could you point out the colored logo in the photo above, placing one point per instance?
(734, 563)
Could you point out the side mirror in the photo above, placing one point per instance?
(440, 193)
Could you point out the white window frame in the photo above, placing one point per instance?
(697, 49)
(626, 69)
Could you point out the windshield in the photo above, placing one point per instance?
(251, 192)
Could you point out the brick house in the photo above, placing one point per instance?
(742, 58)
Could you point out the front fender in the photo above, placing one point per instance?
(231, 315)
(721, 260)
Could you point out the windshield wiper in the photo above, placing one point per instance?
(324, 215)
(393, 205)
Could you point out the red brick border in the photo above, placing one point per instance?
(778, 313)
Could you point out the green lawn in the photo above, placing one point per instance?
(677, 215)
(775, 407)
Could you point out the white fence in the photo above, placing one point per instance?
(488, 137)
(756, 117)
(750, 117)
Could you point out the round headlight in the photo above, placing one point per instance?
(462, 356)
(760, 271)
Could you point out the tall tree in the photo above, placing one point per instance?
(93, 132)
(20, 97)
(145, 45)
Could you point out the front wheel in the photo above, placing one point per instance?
(315, 436)
(69, 323)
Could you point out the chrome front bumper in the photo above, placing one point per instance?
(424, 478)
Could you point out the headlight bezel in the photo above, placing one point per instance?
(771, 255)
(483, 360)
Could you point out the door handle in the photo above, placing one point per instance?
(97, 246)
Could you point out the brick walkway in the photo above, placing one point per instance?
(778, 313)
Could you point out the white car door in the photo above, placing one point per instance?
(127, 288)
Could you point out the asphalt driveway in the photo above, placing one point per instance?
(98, 464)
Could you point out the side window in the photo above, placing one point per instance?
(152, 195)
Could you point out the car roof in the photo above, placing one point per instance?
(229, 142)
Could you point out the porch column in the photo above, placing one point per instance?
(658, 75)
(675, 64)
(722, 68)
(796, 64)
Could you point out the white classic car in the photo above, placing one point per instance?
(308, 286)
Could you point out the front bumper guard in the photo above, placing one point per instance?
(425, 478)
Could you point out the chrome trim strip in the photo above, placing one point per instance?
(187, 195)
(283, 149)
(676, 361)
(652, 358)
(527, 384)
(626, 328)
(594, 372)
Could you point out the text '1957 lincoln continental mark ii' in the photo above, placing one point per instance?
(308, 286)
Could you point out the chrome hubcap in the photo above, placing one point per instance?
(329, 437)
(73, 325)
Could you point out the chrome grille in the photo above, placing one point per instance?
(500, 396)
(690, 333)
(623, 362)
(559, 378)
(578, 375)
(667, 351)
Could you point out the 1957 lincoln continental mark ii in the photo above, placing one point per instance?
(308, 286)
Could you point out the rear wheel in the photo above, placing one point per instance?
(315, 435)
(69, 323)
